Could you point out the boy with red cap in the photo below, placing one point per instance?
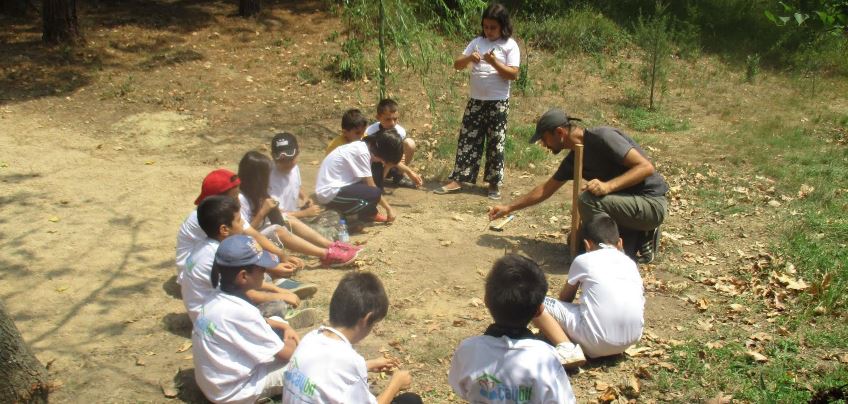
(225, 182)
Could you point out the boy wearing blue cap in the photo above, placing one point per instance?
(238, 354)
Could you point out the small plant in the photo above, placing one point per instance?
(653, 36)
(350, 64)
(308, 77)
(646, 120)
(752, 67)
(523, 81)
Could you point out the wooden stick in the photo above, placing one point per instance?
(575, 214)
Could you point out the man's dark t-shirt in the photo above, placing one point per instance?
(604, 149)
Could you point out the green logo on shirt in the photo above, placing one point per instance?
(495, 391)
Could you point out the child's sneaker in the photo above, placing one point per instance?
(304, 318)
(347, 246)
(303, 290)
(337, 256)
(381, 218)
(570, 355)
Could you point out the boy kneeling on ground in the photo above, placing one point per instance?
(238, 354)
(508, 363)
(610, 315)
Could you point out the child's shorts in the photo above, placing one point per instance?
(270, 232)
(570, 318)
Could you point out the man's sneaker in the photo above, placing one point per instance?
(650, 246)
(303, 290)
(337, 256)
(570, 355)
(303, 318)
(404, 182)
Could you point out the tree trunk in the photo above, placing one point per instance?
(249, 8)
(24, 377)
(15, 8)
(60, 21)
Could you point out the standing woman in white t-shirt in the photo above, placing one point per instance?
(494, 58)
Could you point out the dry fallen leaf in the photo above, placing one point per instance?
(54, 219)
(184, 347)
(720, 398)
(737, 308)
(168, 388)
(609, 395)
(704, 325)
(601, 385)
(630, 386)
(756, 356)
(475, 302)
(714, 345)
(635, 352)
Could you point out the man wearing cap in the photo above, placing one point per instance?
(620, 180)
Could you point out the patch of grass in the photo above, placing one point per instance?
(646, 120)
(308, 76)
(521, 154)
(816, 240)
(580, 29)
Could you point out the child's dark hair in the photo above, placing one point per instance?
(515, 287)
(226, 276)
(386, 105)
(255, 171)
(602, 229)
(353, 119)
(500, 14)
(386, 144)
(215, 211)
(358, 294)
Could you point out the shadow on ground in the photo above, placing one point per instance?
(552, 256)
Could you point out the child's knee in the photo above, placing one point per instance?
(408, 146)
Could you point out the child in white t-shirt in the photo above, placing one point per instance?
(239, 355)
(494, 58)
(225, 182)
(508, 363)
(345, 182)
(610, 315)
(387, 118)
(263, 213)
(326, 369)
(219, 218)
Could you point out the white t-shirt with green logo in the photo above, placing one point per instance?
(326, 370)
(234, 350)
(486, 369)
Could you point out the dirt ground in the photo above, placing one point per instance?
(104, 149)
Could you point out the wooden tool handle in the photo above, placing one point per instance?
(575, 194)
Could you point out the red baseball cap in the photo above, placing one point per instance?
(217, 182)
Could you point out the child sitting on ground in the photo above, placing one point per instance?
(326, 369)
(219, 218)
(345, 181)
(263, 213)
(284, 185)
(610, 315)
(226, 182)
(387, 118)
(353, 129)
(239, 355)
(507, 363)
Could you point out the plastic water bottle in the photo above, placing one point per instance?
(344, 237)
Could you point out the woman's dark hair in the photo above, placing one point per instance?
(226, 276)
(500, 14)
(255, 171)
(358, 294)
(602, 229)
(515, 287)
(215, 211)
(386, 144)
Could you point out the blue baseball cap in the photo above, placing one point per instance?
(242, 251)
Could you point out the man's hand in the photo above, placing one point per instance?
(498, 211)
(598, 187)
(381, 364)
(416, 179)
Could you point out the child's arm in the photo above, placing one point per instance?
(290, 339)
(266, 244)
(269, 292)
(463, 61)
(411, 174)
(259, 216)
(381, 364)
(506, 72)
(568, 292)
(400, 381)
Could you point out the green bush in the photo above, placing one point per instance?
(518, 152)
(582, 30)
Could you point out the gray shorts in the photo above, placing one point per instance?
(636, 212)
